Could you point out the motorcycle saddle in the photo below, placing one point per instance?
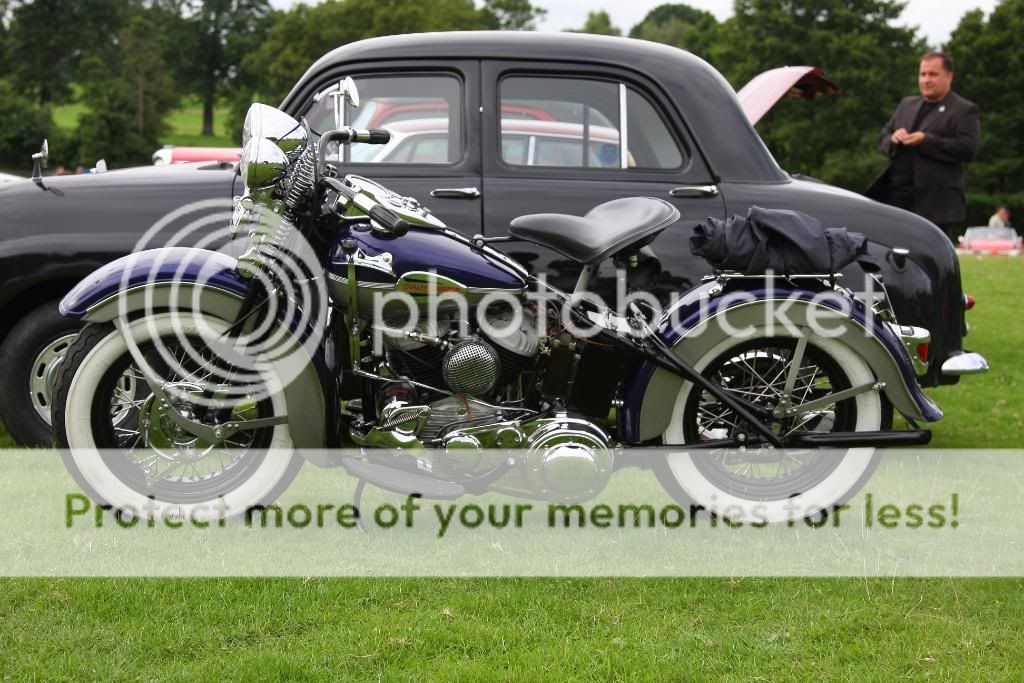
(605, 230)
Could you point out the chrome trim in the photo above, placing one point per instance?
(777, 276)
(364, 285)
(456, 192)
(623, 128)
(381, 262)
(703, 191)
(912, 337)
(503, 258)
(965, 363)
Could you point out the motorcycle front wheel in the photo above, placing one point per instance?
(761, 484)
(124, 453)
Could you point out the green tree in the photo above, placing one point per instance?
(305, 33)
(680, 26)
(48, 39)
(212, 40)
(988, 58)
(127, 102)
(858, 44)
(510, 15)
(600, 23)
(23, 125)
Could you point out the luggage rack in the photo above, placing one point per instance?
(733, 275)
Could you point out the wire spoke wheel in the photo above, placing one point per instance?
(760, 483)
(154, 456)
(757, 372)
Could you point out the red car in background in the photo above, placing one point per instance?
(984, 240)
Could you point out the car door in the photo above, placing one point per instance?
(432, 111)
(551, 138)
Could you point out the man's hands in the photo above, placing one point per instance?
(902, 137)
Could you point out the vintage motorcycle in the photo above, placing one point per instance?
(203, 382)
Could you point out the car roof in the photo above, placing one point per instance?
(502, 44)
(720, 127)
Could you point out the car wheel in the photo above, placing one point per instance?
(29, 358)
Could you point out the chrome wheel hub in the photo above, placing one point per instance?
(43, 374)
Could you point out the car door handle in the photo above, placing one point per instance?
(456, 193)
(701, 191)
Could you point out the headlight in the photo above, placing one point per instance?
(262, 121)
(262, 163)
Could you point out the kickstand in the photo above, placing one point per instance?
(356, 499)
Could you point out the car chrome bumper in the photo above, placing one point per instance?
(965, 363)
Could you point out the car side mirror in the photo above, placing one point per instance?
(39, 160)
(43, 154)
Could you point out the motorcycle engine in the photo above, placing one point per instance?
(473, 365)
(560, 459)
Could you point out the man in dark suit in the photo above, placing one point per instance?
(929, 140)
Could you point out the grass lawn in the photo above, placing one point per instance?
(500, 629)
(184, 124)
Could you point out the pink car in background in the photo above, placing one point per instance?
(984, 240)
(170, 154)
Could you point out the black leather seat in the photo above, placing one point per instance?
(606, 229)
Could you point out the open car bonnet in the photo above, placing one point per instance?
(763, 91)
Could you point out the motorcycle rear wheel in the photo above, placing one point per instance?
(761, 484)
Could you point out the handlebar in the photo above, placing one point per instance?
(372, 136)
(389, 219)
(384, 217)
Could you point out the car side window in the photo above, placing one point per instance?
(578, 123)
(423, 113)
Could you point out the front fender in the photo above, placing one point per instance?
(696, 326)
(182, 278)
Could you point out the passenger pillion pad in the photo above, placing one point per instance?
(605, 230)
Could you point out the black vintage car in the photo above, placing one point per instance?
(486, 126)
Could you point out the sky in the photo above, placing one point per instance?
(935, 18)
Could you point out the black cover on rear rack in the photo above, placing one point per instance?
(780, 240)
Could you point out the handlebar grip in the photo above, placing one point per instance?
(373, 136)
(395, 225)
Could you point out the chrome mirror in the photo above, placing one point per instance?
(38, 164)
(266, 122)
(343, 91)
(262, 163)
(43, 154)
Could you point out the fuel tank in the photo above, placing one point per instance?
(424, 263)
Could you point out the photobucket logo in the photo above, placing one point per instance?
(196, 264)
(768, 305)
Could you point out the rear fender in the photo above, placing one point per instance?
(207, 281)
(649, 392)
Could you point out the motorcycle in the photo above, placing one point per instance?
(357, 330)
